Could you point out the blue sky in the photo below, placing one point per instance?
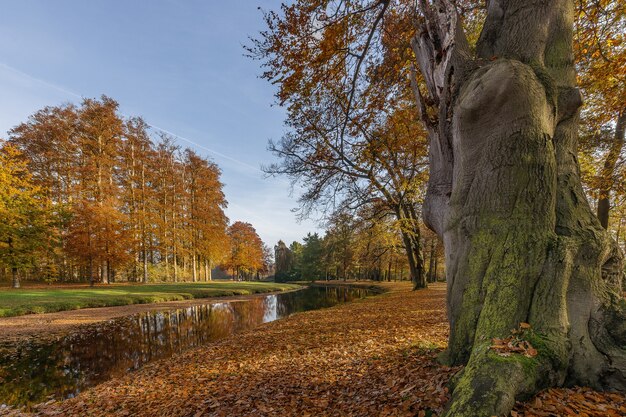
(179, 64)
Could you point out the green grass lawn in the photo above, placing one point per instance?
(40, 300)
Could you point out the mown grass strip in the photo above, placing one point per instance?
(39, 300)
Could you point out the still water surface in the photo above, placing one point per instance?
(35, 371)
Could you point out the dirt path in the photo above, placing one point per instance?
(53, 324)
(371, 357)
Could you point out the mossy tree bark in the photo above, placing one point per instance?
(522, 243)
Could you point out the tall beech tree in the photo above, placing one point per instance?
(522, 243)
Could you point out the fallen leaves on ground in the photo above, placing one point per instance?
(581, 402)
(514, 343)
(372, 357)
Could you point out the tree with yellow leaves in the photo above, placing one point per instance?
(24, 224)
(600, 48)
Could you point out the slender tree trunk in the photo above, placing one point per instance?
(175, 262)
(104, 272)
(194, 267)
(110, 272)
(395, 272)
(145, 265)
(608, 171)
(15, 278)
(522, 243)
(167, 264)
(91, 280)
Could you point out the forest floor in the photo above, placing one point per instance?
(38, 299)
(371, 357)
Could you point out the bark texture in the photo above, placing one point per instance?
(522, 243)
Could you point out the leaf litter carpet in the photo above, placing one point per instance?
(371, 357)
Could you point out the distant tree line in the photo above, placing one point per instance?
(356, 248)
(87, 195)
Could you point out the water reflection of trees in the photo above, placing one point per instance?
(314, 298)
(33, 371)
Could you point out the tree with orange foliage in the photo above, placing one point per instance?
(246, 256)
(350, 142)
(120, 200)
(136, 154)
(207, 221)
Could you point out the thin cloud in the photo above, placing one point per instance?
(40, 81)
(214, 152)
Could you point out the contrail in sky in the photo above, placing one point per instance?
(39, 80)
(205, 148)
(73, 94)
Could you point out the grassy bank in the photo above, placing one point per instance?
(48, 300)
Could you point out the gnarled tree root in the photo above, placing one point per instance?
(491, 383)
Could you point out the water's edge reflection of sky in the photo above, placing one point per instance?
(92, 354)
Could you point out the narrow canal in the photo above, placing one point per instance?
(35, 371)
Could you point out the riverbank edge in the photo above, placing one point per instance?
(50, 326)
(380, 287)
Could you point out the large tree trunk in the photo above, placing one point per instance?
(522, 243)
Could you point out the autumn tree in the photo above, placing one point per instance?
(122, 198)
(48, 142)
(504, 192)
(246, 253)
(339, 244)
(207, 221)
(378, 244)
(600, 50)
(347, 148)
(169, 193)
(100, 132)
(24, 223)
(136, 179)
